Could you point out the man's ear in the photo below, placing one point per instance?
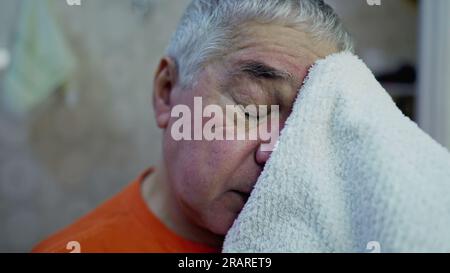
(163, 85)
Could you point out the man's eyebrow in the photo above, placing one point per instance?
(260, 70)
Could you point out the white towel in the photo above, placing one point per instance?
(349, 169)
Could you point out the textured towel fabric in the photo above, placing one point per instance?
(349, 168)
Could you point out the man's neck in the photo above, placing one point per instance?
(159, 198)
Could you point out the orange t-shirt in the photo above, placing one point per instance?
(122, 224)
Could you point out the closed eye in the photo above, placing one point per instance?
(256, 114)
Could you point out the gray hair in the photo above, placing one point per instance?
(206, 28)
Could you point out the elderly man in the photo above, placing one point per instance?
(242, 52)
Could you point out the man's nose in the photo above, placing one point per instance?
(262, 156)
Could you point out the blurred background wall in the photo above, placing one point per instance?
(94, 132)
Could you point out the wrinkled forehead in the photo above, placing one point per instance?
(274, 51)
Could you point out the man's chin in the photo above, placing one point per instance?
(223, 223)
(219, 215)
(221, 230)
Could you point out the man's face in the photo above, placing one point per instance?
(213, 179)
